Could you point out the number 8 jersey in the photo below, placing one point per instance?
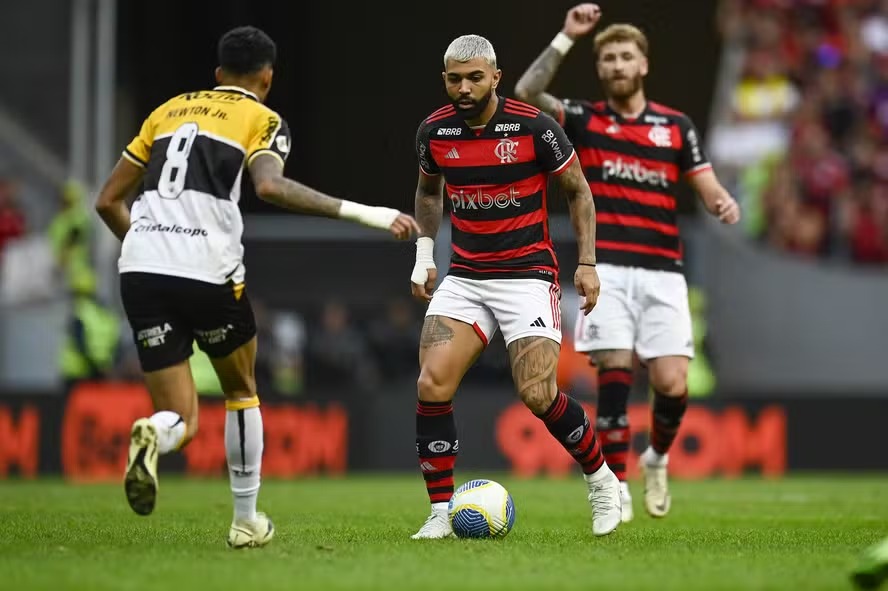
(195, 148)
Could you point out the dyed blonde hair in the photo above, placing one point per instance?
(468, 47)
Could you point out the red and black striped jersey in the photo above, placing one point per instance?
(633, 168)
(495, 180)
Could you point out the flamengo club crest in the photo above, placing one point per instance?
(506, 150)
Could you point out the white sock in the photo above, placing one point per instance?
(652, 458)
(439, 508)
(243, 449)
(170, 430)
(598, 475)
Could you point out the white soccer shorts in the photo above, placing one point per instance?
(638, 309)
(518, 307)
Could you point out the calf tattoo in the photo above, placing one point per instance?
(534, 363)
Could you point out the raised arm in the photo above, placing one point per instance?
(272, 186)
(532, 85)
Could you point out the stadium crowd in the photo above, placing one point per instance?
(806, 138)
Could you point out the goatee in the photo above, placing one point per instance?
(475, 111)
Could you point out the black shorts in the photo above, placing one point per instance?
(168, 313)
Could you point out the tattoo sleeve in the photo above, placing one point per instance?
(582, 209)
(267, 174)
(531, 87)
(429, 204)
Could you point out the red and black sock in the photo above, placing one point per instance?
(666, 419)
(612, 421)
(568, 423)
(436, 446)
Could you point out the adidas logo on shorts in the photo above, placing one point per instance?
(538, 323)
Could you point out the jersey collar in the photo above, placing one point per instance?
(239, 90)
(620, 119)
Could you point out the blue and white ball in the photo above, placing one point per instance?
(481, 509)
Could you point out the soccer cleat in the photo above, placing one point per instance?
(436, 527)
(872, 570)
(604, 496)
(140, 479)
(254, 533)
(626, 500)
(657, 500)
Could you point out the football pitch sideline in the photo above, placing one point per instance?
(353, 533)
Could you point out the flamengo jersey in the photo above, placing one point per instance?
(633, 168)
(495, 180)
(194, 148)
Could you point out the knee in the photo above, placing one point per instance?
(431, 387)
(671, 380)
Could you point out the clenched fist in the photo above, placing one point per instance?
(581, 19)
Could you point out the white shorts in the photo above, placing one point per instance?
(638, 309)
(519, 307)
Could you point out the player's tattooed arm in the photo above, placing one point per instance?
(272, 186)
(531, 87)
(534, 362)
(582, 209)
(429, 203)
(111, 203)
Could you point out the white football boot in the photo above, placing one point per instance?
(140, 478)
(657, 500)
(437, 526)
(626, 500)
(253, 533)
(604, 496)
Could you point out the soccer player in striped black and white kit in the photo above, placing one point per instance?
(634, 153)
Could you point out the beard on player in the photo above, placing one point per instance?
(469, 108)
(621, 87)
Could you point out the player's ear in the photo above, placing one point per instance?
(644, 66)
(219, 75)
(497, 76)
(267, 75)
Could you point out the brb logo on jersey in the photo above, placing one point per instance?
(506, 150)
(634, 171)
(481, 200)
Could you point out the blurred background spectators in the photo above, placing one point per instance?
(805, 139)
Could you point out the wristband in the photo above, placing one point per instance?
(375, 217)
(425, 260)
(561, 43)
(587, 264)
(425, 250)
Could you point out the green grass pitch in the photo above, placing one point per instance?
(353, 533)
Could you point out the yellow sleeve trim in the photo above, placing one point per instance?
(264, 151)
(133, 159)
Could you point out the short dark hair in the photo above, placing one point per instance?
(246, 50)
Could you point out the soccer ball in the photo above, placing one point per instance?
(481, 509)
